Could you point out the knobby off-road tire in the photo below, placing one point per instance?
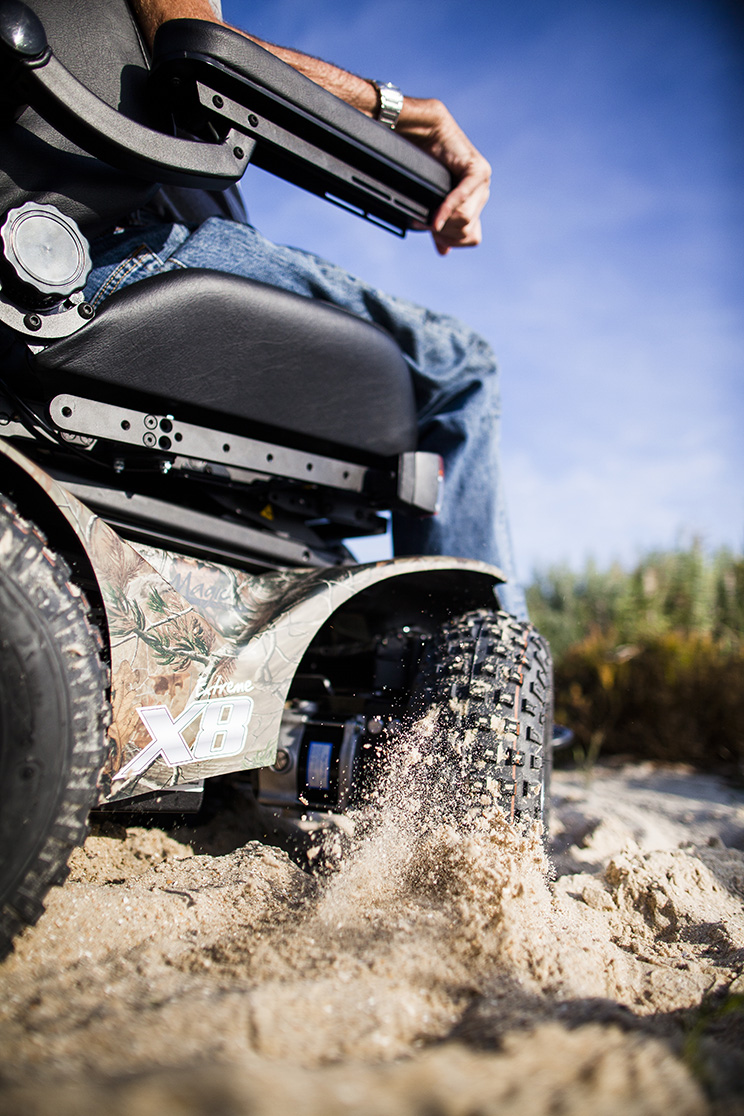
(53, 716)
(486, 688)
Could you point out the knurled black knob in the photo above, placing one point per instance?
(45, 256)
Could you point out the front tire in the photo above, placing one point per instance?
(53, 715)
(485, 690)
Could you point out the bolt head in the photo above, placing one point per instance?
(283, 760)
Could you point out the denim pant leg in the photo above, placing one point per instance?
(454, 374)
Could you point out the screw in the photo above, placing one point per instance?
(148, 439)
(85, 310)
(217, 101)
(238, 152)
(282, 761)
(150, 422)
(253, 120)
(32, 322)
(118, 465)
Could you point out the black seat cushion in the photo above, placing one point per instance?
(253, 352)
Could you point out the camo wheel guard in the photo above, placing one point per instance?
(203, 655)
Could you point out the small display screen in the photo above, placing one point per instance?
(319, 756)
(317, 771)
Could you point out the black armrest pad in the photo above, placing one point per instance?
(253, 62)
(346, 133)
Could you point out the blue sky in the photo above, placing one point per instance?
(611, 277)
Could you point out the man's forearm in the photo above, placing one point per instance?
(350, 88)
(415, 116)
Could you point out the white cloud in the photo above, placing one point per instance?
(620, 505)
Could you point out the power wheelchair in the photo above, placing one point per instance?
(180, 469)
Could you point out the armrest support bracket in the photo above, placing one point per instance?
(33, 75)
(302, 162)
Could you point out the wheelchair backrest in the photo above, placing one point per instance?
(99, 42)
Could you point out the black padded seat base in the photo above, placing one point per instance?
(251, 351)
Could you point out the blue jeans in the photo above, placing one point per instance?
(454, 372)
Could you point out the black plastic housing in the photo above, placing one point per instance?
(302, 132)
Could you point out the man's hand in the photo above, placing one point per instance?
(430, 125)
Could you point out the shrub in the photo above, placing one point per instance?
(675, 697)
(649, 662)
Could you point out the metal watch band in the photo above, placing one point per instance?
(391, 103)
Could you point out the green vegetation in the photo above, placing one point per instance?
(649, 663)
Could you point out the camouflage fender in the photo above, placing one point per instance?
(203, 655)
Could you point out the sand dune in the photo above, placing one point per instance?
(434, 970)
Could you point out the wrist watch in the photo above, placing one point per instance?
(390, 103)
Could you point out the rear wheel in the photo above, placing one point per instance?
(53, 713)
(485, 694)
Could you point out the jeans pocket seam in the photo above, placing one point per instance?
(140, 258)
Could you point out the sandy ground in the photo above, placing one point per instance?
(435, 972)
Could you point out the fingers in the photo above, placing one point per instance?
(445, 240)
(457, 223)
(465, 203)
